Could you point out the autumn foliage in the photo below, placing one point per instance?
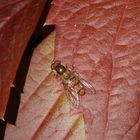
(100, 39)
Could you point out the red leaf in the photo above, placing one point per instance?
(18, 20)
(101, 40)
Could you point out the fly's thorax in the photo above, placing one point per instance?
(60, 69)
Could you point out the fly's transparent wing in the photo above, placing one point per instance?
(73, 97)
(89, 89)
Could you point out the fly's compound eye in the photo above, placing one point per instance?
(55, 63)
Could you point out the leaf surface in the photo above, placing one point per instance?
(101, 40)
(44, 110)
(17, 22)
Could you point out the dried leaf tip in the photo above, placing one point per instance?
(11, 85)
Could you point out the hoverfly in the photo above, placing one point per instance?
(74, 85)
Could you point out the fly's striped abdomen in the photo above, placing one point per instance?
(72, 82)
(75, 85)
(79, 88)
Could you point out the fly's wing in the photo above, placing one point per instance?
(73, 97)
(89, 89)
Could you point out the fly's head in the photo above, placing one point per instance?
(58, 67)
